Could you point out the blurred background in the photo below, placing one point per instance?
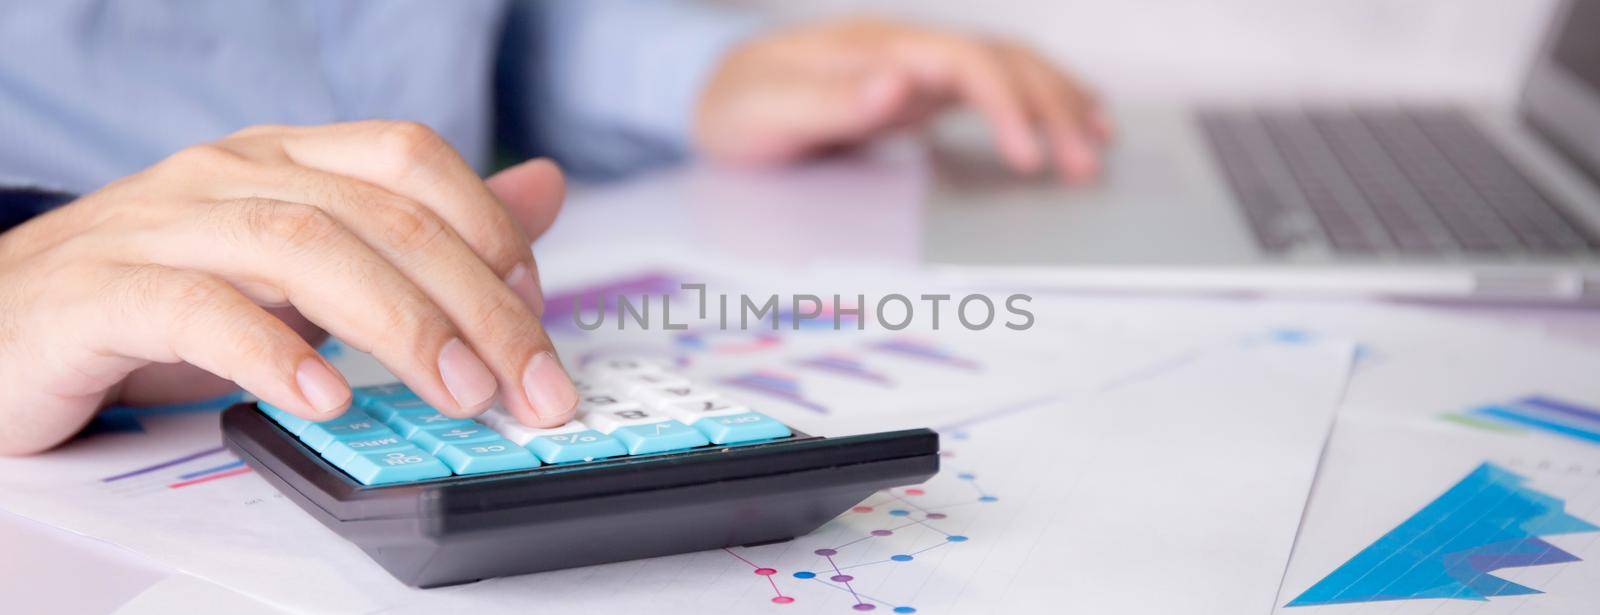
(1142, 50)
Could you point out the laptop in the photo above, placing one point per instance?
(1418, 201)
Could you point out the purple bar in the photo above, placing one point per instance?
(1561, 407)
(561, 306)
(164, 464)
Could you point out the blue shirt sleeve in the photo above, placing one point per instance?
(609, 86)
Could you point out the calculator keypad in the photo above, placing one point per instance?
(625, 407)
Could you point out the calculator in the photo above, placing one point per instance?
(653, 465)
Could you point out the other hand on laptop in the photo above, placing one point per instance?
(796, 92)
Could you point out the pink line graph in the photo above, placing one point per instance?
(765, 572)
(212, 477)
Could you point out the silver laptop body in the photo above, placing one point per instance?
(1412, 201)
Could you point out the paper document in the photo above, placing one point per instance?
(1104, 466)
(1473, 486)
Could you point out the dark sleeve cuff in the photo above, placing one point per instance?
(17, 205)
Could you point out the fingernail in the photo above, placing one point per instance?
(465, 376)
(320, 385)
(548, 387)
(523, 283)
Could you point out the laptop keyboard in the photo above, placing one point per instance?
(1382, 182)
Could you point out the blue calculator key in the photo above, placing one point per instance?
(587, 445)
(434, 437)
(341, 451)
(396, 465)
(353, 424)
(491, 456)
(741, 427)
(290, 422)
(386, 409)
(367, 395)
(408, 422)
(659, 437)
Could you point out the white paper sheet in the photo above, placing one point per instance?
(1413, 430)
(1137, 463)
(1379, 474)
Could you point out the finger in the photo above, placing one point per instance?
(1060, 114)
(411, 160)
(1089, 109)
(533, 192)
(281, 252)
(922, 106)
(981, 80)
(169, 316)
(161, 384)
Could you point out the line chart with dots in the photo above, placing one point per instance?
(907, 526)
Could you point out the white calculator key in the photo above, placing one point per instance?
(506, 425)
(607, 421)
(584, 385)
(621, 365)
(688, 412)
(604, 399)
(496, 416)
(656, 397)
(633, 383)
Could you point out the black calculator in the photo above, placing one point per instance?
(653, 465)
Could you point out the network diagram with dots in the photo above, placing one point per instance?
(922, 518)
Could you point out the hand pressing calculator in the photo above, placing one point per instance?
(653, 465)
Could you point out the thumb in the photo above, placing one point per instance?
(533, 192)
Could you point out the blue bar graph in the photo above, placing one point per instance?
(1486, 522)
(1539, 413)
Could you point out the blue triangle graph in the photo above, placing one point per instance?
(1486, 522)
